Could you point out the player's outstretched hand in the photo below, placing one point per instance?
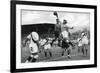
(72, 27)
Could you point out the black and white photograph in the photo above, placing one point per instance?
(54, 36)
(50, 36)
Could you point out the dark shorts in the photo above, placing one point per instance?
(57, 34)
(34, 53)
(65, 45)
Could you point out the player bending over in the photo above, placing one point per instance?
(33, 39)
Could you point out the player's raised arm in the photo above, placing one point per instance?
(57, 20)
(27, 39)
(56, 14)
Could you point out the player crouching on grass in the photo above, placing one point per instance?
(33, 39)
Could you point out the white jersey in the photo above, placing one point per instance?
(46, 43)
(42, 41)
(65, 34)
(32, 45)
(64, 27)
(47, 46)
(85, 40)
(79, 42)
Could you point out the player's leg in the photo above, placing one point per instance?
(29, 58)
(34, 60)
(86, 49)
(63, 51)
(35, 56)
(63, 47)
(69, 52)
(52, 42)
(59, 42)
(56, 36)
(45, 52)
(83, 49)
(50, 53)
(79, 49)
(71, 43)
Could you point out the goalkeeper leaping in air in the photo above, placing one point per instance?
(62, 29)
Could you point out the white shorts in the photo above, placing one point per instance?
(85, 41)
(33, 47)
(35, 55)
(79, 45)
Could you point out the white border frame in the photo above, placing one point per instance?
(20, 65)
